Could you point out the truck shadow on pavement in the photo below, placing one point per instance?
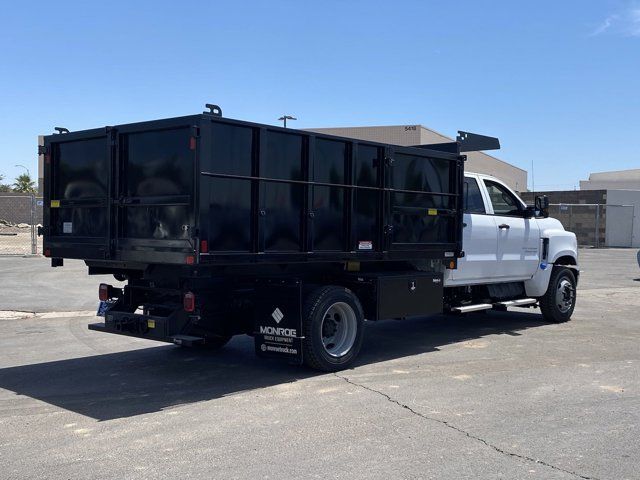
(135, 382)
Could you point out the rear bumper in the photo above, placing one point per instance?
(151, 327)
(102, 327)
(142, 326)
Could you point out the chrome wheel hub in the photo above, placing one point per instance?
(339, 328)
(565, 295)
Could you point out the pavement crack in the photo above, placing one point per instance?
(464, 432)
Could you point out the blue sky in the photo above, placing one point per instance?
(556, 81)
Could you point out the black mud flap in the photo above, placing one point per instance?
(278, 319)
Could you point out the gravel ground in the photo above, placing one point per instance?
(17, 241)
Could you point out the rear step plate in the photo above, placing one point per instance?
(187, 340)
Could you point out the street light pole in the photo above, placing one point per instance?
(28, 172)
(284, 119)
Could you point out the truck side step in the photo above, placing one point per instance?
(521, 302)
(472, 308)
(187, 340)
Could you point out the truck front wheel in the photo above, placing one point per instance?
(333, 323)
(558, 302)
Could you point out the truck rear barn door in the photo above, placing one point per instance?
(77, 194)
(155, 190)
(122, 193)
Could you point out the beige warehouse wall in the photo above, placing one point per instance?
(395, 135)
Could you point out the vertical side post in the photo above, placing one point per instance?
(598, 225)
(34, 244)
(571, 217)
(633, 216)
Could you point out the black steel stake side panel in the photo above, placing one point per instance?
(276, 198)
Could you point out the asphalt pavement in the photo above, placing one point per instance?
(30, 284)
(497, 395)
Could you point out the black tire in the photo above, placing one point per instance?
(333, 304)
(562, 283)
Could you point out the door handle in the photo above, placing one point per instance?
(504, 225)
(464, 224)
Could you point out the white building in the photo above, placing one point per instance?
(614, 180)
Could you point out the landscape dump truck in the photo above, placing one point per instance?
(223, 227)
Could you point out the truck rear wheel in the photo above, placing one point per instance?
(558, 302)
(333, 324)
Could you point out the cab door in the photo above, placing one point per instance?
(518, 253)
(479, 238)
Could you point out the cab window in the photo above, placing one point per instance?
(504, 202)
(473, 202)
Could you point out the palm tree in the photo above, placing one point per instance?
(24, 184)
(4, 188)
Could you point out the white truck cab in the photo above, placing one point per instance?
(512, 251)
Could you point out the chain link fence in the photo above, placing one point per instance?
(20, 216)
(596, 225)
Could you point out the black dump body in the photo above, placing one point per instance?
(206, 190)
(223, 227)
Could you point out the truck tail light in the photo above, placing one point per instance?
(189, 302)
(204, 246)
(103, 292)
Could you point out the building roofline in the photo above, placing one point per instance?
(365, 126)
(612, 172)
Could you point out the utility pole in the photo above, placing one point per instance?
(28, 173)
(284, 119)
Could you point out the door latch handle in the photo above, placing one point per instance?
(504, 225)
(464, 224)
